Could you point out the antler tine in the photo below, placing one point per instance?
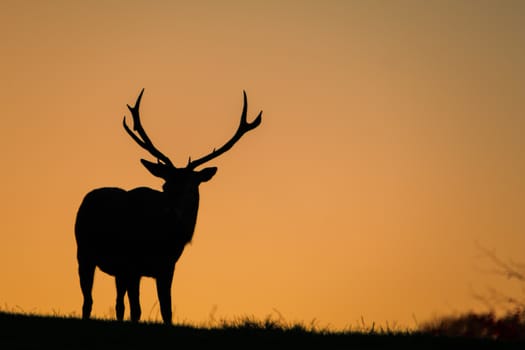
(143, 141)
(243, 128)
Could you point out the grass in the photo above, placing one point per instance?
(510, 326)
(24, 331)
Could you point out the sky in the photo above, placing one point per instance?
(391, 148)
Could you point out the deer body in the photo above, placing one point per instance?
(143, 232)
(133, 232)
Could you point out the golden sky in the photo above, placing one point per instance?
(392, 141)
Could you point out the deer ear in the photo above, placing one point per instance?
(207, 173)
(155, 169)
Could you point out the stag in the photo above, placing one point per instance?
(143, 232)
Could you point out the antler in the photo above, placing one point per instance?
(143, 141)
(244, 127)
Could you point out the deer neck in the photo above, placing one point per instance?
(182, 209)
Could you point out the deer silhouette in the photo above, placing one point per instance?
(143, 232)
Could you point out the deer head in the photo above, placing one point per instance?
(176, 179)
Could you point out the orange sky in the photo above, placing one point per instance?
(392, 141)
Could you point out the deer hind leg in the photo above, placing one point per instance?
(133, 287)
(86, 273)
(121, 284)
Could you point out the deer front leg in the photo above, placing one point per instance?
(133, 287)
(164, 294)
(121, 292)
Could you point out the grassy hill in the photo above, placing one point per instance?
(20, 331)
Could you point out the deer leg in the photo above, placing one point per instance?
(164, 293)
(133, 288)
(121, 292)
(86, 273)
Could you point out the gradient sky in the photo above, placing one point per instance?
(392, 141)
